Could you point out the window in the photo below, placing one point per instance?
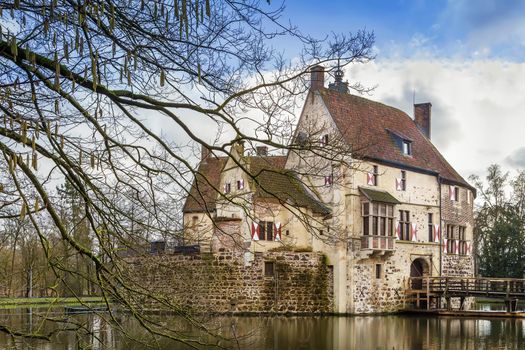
(375, 175)
(269, 269)
(403, 183)
(240, 184)
(227, 188)
(407, 147)
(456, 240)
(378, 219)
(430, 227)
(462, 240)
(378, 271)
(266, 230)
(454, 193)
(194, 220)
(324, 140)
(404, 225)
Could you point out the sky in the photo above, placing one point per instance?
(465, 57)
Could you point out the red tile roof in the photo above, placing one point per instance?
(203, 192)
(371, 129)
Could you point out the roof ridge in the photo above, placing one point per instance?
(368, 124)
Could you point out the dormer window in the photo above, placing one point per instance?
(407, 147)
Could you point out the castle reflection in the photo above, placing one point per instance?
(102, 331)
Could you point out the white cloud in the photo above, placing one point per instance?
(476, 105)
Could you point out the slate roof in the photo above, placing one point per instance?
(271, 179)
(371, 129)
(378, 195)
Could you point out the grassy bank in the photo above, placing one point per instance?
(9, 303)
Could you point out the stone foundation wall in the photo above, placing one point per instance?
(224, 282)
(386, 294)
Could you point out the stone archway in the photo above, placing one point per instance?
(419, 268)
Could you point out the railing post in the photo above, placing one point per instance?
(428, 293)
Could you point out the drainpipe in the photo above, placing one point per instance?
(440, 229)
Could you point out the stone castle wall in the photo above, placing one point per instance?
(458, 213)
(386, 294)
(223, 282)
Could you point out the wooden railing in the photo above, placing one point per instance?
(469, 286)
(378, 242)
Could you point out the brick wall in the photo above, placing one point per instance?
(222, 282)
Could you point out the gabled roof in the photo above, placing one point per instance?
(370, 128)
(203, 192)
(271, 181)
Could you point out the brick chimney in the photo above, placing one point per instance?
(316, 77)
(422, 117)
(262, 150)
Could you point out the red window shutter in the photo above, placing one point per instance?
(398, 185)
(255, 231)
(437, 233)
(370, 179)
(398, 231)
(413, 232)
(451, 192)
(277, 231)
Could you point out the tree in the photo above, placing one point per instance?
(89, 89)
(500, 225)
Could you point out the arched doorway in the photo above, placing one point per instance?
(419, 268)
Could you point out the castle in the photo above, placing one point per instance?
(361, 184)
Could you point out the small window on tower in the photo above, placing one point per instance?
(407, 147)
(269, 269)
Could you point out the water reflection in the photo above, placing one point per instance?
(371, 332)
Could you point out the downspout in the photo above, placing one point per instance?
(440, 229)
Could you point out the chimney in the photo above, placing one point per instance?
(422, 117)
(205, 152)
(316, 77)
(262, 150)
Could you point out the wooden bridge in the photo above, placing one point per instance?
(427, 292)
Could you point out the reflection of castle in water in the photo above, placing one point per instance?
(360, 332)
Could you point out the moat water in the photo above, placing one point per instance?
(357, 332)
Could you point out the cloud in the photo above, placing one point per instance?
(517, 158)
(477, 105)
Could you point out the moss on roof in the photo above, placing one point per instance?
(378, 196)
(270, 180)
